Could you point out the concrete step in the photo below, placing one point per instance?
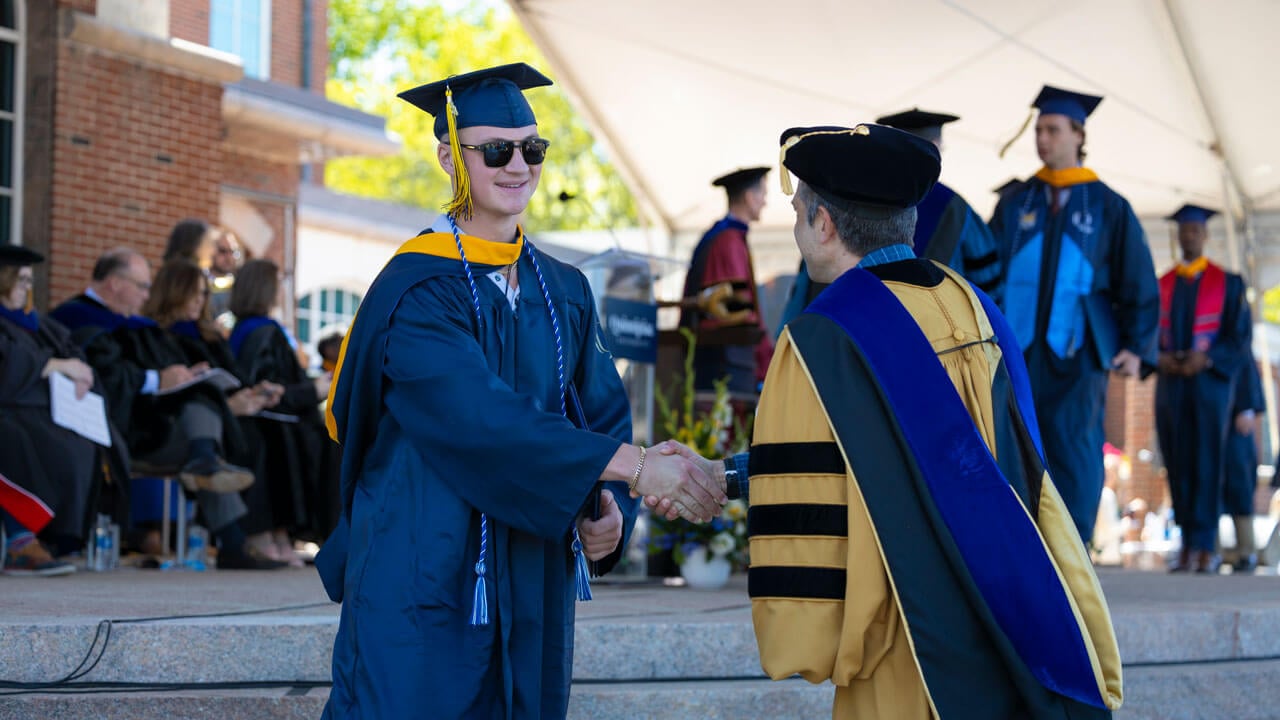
(1196, 691)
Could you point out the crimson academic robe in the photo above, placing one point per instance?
(442, 416)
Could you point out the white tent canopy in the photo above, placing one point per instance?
(681, 91)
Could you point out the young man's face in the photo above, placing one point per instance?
(1191, 238)
(1057, 142)
(499, 191)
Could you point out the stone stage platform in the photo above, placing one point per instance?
(257, 645)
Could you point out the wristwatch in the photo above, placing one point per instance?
(730, 480)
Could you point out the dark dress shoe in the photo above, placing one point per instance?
(1183, 563)
(214, 474)
(232, 560)
(1246, 564)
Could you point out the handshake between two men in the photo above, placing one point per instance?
(673, 480)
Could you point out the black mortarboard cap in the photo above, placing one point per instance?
(18, 255)
(739, 180)
(927, 125)
(873, 170)
(491, 97)
(1056, 101)
(1192, 214)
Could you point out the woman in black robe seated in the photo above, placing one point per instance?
(302, 461)
(60, 468)
(185, 334)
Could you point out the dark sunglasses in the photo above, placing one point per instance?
(497, 153)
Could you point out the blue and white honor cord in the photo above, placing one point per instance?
(480, 601)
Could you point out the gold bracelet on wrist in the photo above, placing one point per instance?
(635, 477)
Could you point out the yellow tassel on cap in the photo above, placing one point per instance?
(1025, 123)
(783, 173)
(460, 206)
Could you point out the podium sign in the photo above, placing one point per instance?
(631, 329)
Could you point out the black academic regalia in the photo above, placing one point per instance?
(1240, 481)
(63, 469)
(302, 461)
(1193, 414)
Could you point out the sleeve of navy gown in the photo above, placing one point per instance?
(498, 450)
(1135, 294)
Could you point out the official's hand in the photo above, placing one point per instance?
(601, 537)
(1246, 422)
(175, 375)
(75, 370)
(1126, 364)
(246, 402)
(695, 494)
(713, 468)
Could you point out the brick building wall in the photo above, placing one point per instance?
(189, 20)
(135, 150)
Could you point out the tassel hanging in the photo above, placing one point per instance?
(1025, 123)
(784, 175)
(580, 572)
(480, 599)
(460, 205)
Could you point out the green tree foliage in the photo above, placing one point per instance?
(380, 47)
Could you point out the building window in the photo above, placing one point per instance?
(12, 71)
(243, 28)
(325, 311)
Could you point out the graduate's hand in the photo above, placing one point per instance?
(271, 393)
(666, 507)
(1168, 363)
(1126, 364)
(1196, 362)
(694, 493)
(601, 537)
(1245, 422)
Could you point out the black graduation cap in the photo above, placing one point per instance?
(1192, 214)
(491, 96)
(18, 255)
(1056, 101)
(872, 170)
(739, 180)
(927, 125)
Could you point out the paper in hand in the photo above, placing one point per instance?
(86, 416)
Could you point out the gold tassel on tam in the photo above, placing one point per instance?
(783, 173)
(1025, 123)
(460, 206)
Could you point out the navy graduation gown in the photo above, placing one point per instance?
(949, 231)
(441, 418)
(1079, 287)
(1240, 481)
(1193, 414)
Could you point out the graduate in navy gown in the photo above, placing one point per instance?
(1240, 476)
(462, 400)
(1205, 332)
(1080, 293)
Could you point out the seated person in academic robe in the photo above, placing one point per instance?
(59, 470)
(906, 542)
(301, 460)
(184, 329)
(139, 366)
